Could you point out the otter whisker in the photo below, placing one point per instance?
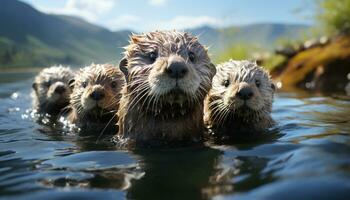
(155, 103)
(225, 115)
(221, 116)
(149, 100)
(247, 104)
(95, 96)
(137, 91)
(151, 89)
(218, 110)
(139, 98)
(103, 130)
(115, 101)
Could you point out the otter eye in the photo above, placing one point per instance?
(273, 86)
(84, 84)
(226, 83)
(191, 56)
(114, 84)
(257, 83)
(47, 83)
(153, 56)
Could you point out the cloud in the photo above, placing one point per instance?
(183, 22)
(124, 22)
(90, 5)
(87, 9)
(157, 2)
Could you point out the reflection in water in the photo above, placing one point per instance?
(324, 187)
(175, 174)
(305, 157)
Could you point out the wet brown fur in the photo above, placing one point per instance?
(227, 114)
(155, 108)
(45, 100)
(88, 113)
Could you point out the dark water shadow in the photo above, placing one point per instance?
(174, 173)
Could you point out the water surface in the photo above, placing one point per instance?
(306, 157)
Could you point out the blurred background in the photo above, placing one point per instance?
(304, 43)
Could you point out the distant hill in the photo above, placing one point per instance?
(262, 35)
(32, 38)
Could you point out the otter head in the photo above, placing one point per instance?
(242, 88)
(96, 90)
(52, 89)
(166, 68)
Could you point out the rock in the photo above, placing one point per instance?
(288, 51)
(323, 66)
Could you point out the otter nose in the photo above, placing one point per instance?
(245, 93)
(176, 69)
(97, 95)
(60, 89)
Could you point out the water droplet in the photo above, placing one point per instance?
(279, 84)
(15, 109)
(310, 85)
(14, 95)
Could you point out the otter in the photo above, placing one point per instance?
(51, 90)
(240, 100)
(168, 74)
(95, 98)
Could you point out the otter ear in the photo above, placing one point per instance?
(135, 38)
(273, 86)
(206, 49)
(71, 83)
(35, 86)
(254, 61)
(123, 67)
(212, 68)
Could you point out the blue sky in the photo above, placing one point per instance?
(145, 15)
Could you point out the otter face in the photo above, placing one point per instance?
(96, 88)
(52, 88)
(243, 87)
(167, 67)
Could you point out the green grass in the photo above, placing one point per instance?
(236, 52)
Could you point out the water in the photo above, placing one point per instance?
(306, 157)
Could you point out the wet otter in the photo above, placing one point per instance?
(95, 97)
(240, 100)
(168, 75)
(51, 89)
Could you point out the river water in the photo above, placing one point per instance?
(307, 156)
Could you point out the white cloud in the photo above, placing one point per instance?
(90, 5)
(87, 9)
(183, 22)
(124, 22)
(157, 2)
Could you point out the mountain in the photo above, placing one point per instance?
(263, 35)
(31, 38)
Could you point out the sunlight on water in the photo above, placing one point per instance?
(307, 156)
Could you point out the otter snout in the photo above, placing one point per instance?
(97, 93)
(176, 67)
(57, 92)
(60, 88)
(245, 92)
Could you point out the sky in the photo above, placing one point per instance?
(146, 15)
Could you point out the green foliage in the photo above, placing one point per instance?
(30, 38)
(334, 15)
(273, 61)
(32, 53)
(237, 52)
